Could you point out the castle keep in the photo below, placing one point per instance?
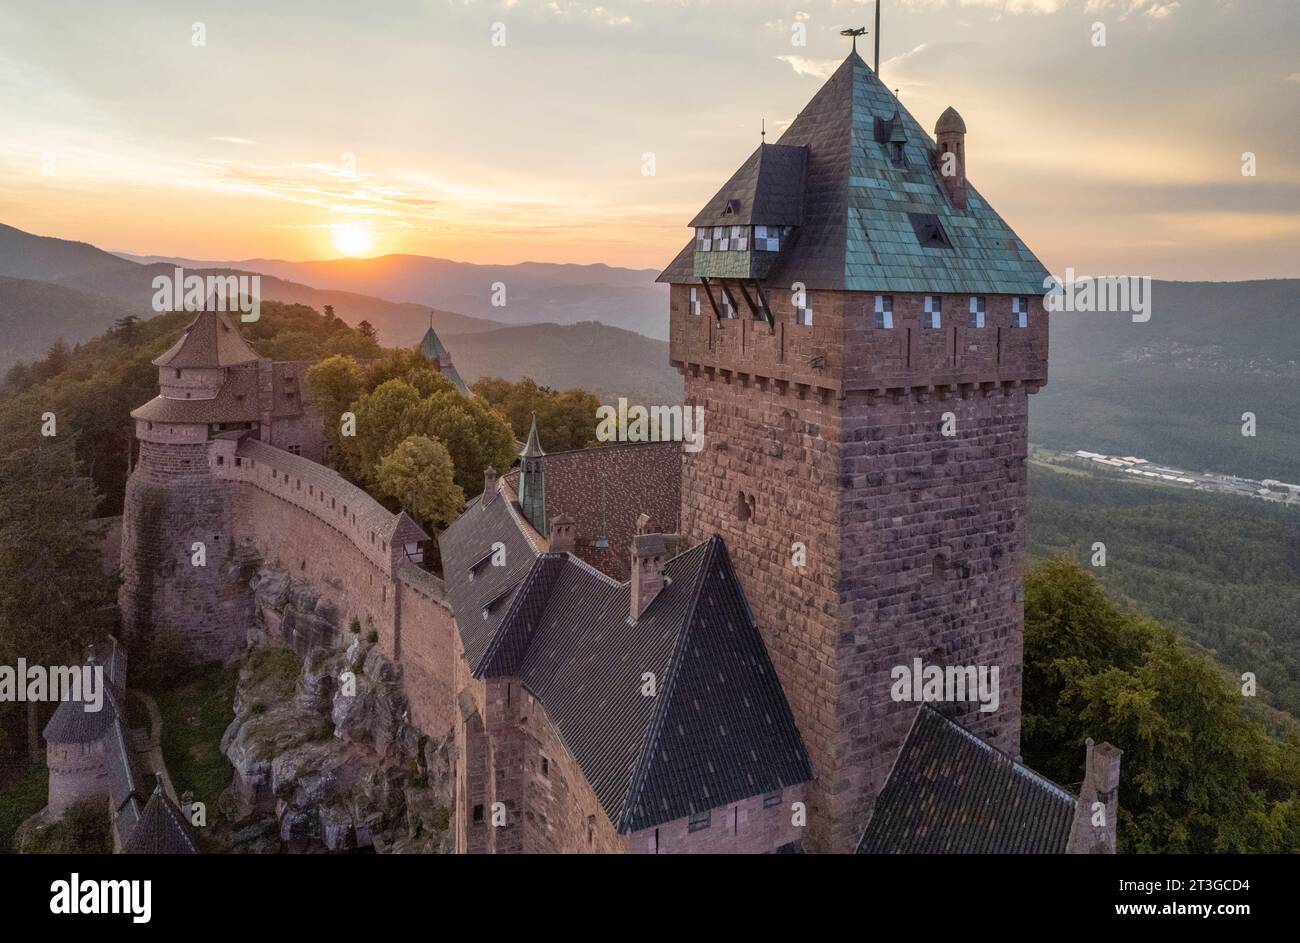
(635, 648)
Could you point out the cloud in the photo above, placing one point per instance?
(817, 68)
(231, 140)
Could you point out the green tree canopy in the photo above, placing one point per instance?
(565, 420)
(419, 475)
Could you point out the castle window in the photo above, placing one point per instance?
(719, 238)
(178, 374)
(803, 316)
(772, 799)
(767, 239)
(546, 767)
(739, 238)
(727, 309)
(939, 568)
(933, 312)
(703, 239)
(221, 460)
(898, 157)
(591, 830)
(977, 311)
(1020, 312)
(695, 301)
(699, 821)
(478, 814)
(744, 507)
(885, 311)
(929, 231)
(294, 450)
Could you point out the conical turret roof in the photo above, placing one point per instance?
(210, 340)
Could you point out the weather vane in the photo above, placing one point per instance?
(855, 33)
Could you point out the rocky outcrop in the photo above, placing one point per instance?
(326, 758)
(291, 613)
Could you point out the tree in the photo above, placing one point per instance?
(335, 385)
(565, 420)
(1199, 775)
(419, 475)
(475, 434)
(50, 577)
(383, 419)
(126, 327)
(368, 329)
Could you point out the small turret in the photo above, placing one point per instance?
(950, 135)
(532, 484)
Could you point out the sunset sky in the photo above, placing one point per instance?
(336, 127)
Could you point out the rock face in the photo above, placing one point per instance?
(291, 613)
(326, 759)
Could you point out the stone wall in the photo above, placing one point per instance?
(170, 606)
(825, 441)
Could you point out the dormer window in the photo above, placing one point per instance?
(1020, 312)
(977, 311)
(929, 231)
(767, 239)
(885, 312)
(896, 154)
(731, 208)
(933, 312)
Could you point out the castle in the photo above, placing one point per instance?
(642, 649)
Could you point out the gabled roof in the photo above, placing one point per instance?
(767, 190)
(718, 728)
(210, 340)
(952, 793)
(856, 234)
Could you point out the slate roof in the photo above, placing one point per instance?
(718, 730)
(856, 234)
(767, 190)
(236, 401)
(432, 347)
(472, 581)
(951, 793)
(210, 340)
(162, 830)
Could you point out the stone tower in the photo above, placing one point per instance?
(176, 522)
(863, 337)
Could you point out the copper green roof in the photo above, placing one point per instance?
(431, 346)
(857, 231)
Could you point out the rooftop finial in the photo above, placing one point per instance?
(762, 134)
(855, 33)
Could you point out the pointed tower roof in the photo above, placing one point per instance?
(431, 346)
(533, 448)
(210, 340)
(862, 215)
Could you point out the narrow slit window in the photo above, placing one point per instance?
(1020, 312)
(977, 311)
(933, 312)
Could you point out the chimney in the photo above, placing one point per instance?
(489, 485)
(648, 552)
(563, 534)
(1093, 831)
(950, 158)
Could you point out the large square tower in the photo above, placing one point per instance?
(862, 331)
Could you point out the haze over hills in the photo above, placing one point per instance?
(536, 292)
(54, 288)
(1175, 388)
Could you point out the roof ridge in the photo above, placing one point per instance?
(520, 590)
(650, 741)
(1017, 766)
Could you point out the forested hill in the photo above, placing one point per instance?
(1174, 388)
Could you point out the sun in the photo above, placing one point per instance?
(353, 238)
